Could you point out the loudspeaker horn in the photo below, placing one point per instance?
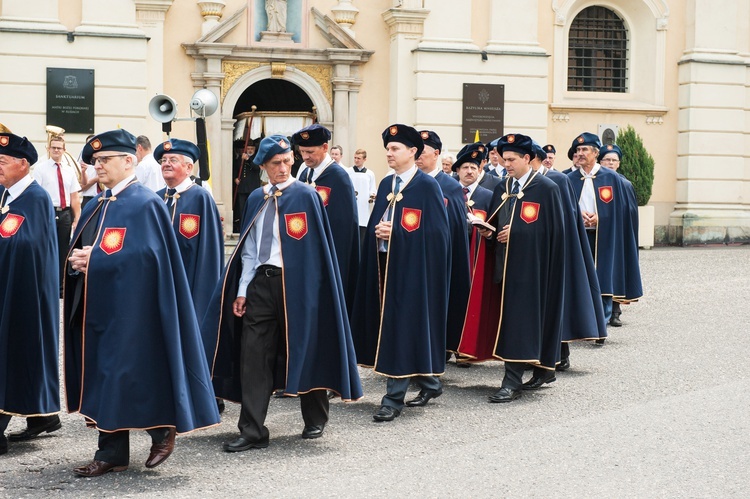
(204, 103)
(162, 108)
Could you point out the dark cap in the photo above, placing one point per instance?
(587, 139)
(431, 139)
(271, 146)
(177, 146)
(313, 135)
(119, 140)
(608, 149)
(403, 134)
(17, 147)
(470, 153)
(549, 148)
(538, 151)
(517, 143)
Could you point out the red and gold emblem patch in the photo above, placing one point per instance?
(474, 154)
(580, 139)
(511, 139)
(325, 193)
(283, 143)
(610, 148)
(167, 146)
(112, 240)
(482, 215)
(10, 225)
(96, 144)
(393, 130)
(425, 135)
(605, 193)
(529, 212)
(481, 149)
(190, 225)
(4, 140)
(304, 135)
(411, 218)
(296, 225)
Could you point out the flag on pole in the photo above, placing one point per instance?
(476, 136)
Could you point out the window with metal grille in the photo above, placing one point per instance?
(598, 52)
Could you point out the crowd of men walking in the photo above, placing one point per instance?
(506, 259)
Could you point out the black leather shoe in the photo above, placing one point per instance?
(386, 413)
(313, 431)
(600, 341)
(241, 444)
(615, 321)
(564, 365)
(505, 394)
(47, 424)
(97, 468)
(424, 397)
(220, 405)
(536, 382)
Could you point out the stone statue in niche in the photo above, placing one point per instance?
(276, 12)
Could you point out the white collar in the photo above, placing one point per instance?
(281, 186)
(121, 186)
(16, 189)
(434, 172)
(406, 176)
(184, 185)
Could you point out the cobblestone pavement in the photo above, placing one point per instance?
(661, 410)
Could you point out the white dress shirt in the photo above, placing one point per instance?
(251, 247)
(587, 202)
(317, 170)
(45, 173)
(148, 172)
(364, 187)
(405, 179)
(16, 189)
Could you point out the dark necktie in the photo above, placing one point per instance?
(266, 231)
(466, 194)
(2, 200)
(309, 176)
(514, 193)
(61, 187)
(170, 200)
(393, 204)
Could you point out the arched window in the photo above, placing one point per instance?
(598, 52)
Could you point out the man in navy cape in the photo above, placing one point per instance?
(477, 199)
(337, 192)
(604, 209)
(583, 315)
(486, 180)
(520, 314)
(610, 157)
(400, 311)
(29, 296)
(455, 206)
(133, 353)
(195, 220)
(278, 318)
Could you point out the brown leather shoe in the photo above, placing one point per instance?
(97, 468)
(160, 452)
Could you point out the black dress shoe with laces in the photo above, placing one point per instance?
(536, 382)
(315, 431)
(615, 321)
(505, 394)
(424, 397)
(386, 413)
(241, 444)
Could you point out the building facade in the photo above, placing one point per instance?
(678, 72)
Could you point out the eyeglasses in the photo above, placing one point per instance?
(609, 160)
(171, 161)
(56, 148)
(103, 160)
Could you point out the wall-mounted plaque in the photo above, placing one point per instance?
(484, 106)
(70, 99)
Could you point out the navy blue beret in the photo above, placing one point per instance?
(467, 156)
(177, 146)
(549, 148)
(431, 139)
(587, 139)
(17, 147)
(517, 143)
(403, 134)
(538, 150)
(271, 146)
(313, 135)
(608, 149)
(119, 140)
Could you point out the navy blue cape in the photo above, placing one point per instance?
(337, 192)
(400, 330)
(320, 352)
(197, 225)
(583, 315)
(520, 319)
(460, 279)
(134, 358)
(632, 270)
(29, 306)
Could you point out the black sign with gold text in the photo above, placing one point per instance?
(70, 99)
(484, 106)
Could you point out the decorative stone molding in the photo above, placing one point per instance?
(233, 70)
(278, 69)
(561, 117)
(212, 10)
(654, 120)
(405, 21)
(322, 75)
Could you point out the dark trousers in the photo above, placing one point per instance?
(263, 357)
(362, 234)
(395, 389)
(513, 378)
(64, 222)
(85, 200)
(564, 351)
(114, 448)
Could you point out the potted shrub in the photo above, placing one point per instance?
(638, 166)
